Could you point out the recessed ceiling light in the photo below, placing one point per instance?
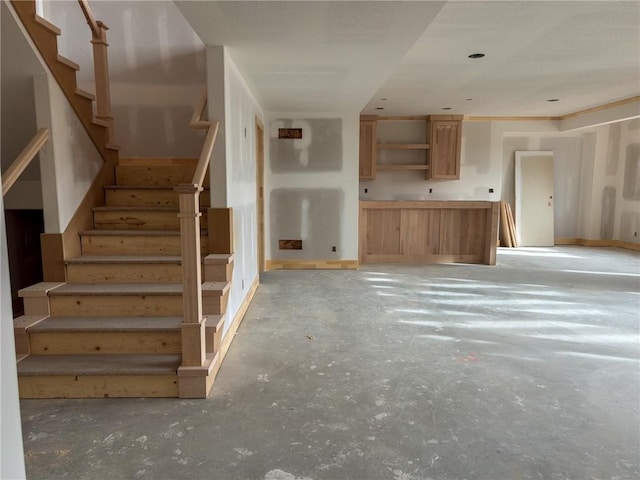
(469, 99)
(553, 100)
(446, 108)
(379, 108)
(476, 55)
(383, 99)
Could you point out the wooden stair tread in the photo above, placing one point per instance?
(144, 187)
(157, 161)
(69, 63)
(107, 324)
(108, 364)
(135, 233)
(218, 258)
(127, 259)
(47, 24)
(85, 94)
(215, 288)
(119, 289)
(136, 208)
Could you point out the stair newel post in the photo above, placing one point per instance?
(193, 325)
(101, 72)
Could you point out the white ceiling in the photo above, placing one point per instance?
(326, 56)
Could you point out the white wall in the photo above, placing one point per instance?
(157, 71)
(11, 452)
(233, 167)
(312, 198)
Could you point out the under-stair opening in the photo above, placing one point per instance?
(25, 258)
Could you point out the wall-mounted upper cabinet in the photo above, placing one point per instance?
(444, 134)
(428, 143)
(368, 147)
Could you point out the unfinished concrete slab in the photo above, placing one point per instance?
(526, 370)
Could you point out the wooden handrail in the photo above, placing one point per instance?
(91, 19)
(196, 119)
(205, 156)
(24, 159)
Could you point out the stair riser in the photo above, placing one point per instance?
(131, 245)
(142, 175)
(149, 198)
(218, 273)
(124, 273)
(116, 306)
(80, 343)
(98, 386)
(139, 220)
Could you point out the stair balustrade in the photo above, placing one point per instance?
(193, 326)
(100, 66)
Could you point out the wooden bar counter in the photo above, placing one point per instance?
(424, 232)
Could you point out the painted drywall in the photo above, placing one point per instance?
(615, 183)
(75, 160)
(19, 65)
(233, 167)
(11, 451)
(310, 186)
(157, 71)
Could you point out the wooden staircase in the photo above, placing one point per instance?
(114, 329)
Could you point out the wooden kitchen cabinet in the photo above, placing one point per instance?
(368, 147)
(445, 139)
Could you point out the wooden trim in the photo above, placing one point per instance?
(259, 129)
(313, 264)
(382, 167)
(402, 118)
(606, 106)
(220, 230)
(472, 118)
(403, 146)
(598, 243)
(599, 108)
(445, 204)
(23, 160)
(53, 266)
(491, 231)
(368, 118)
(425, 259)
(237, 319)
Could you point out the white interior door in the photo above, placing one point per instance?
(534, 199)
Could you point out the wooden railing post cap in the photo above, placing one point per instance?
(187, 188)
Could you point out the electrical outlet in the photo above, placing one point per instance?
(491, 190)
(366, 190)
(635, 234)
(431, 190)
(333, 249)
(243, 284)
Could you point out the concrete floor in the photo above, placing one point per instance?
(527, 370)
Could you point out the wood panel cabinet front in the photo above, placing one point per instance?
(368, 149)
(445, 141)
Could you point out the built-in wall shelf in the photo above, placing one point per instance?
(428, 143)
(402, 167)
(403, 146)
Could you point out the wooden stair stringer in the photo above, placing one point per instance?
(44, 35)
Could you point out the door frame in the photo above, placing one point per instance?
(260, 193)
(520, 155)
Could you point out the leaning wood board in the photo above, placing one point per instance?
(424, 232)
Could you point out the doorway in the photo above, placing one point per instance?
(534, 199)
